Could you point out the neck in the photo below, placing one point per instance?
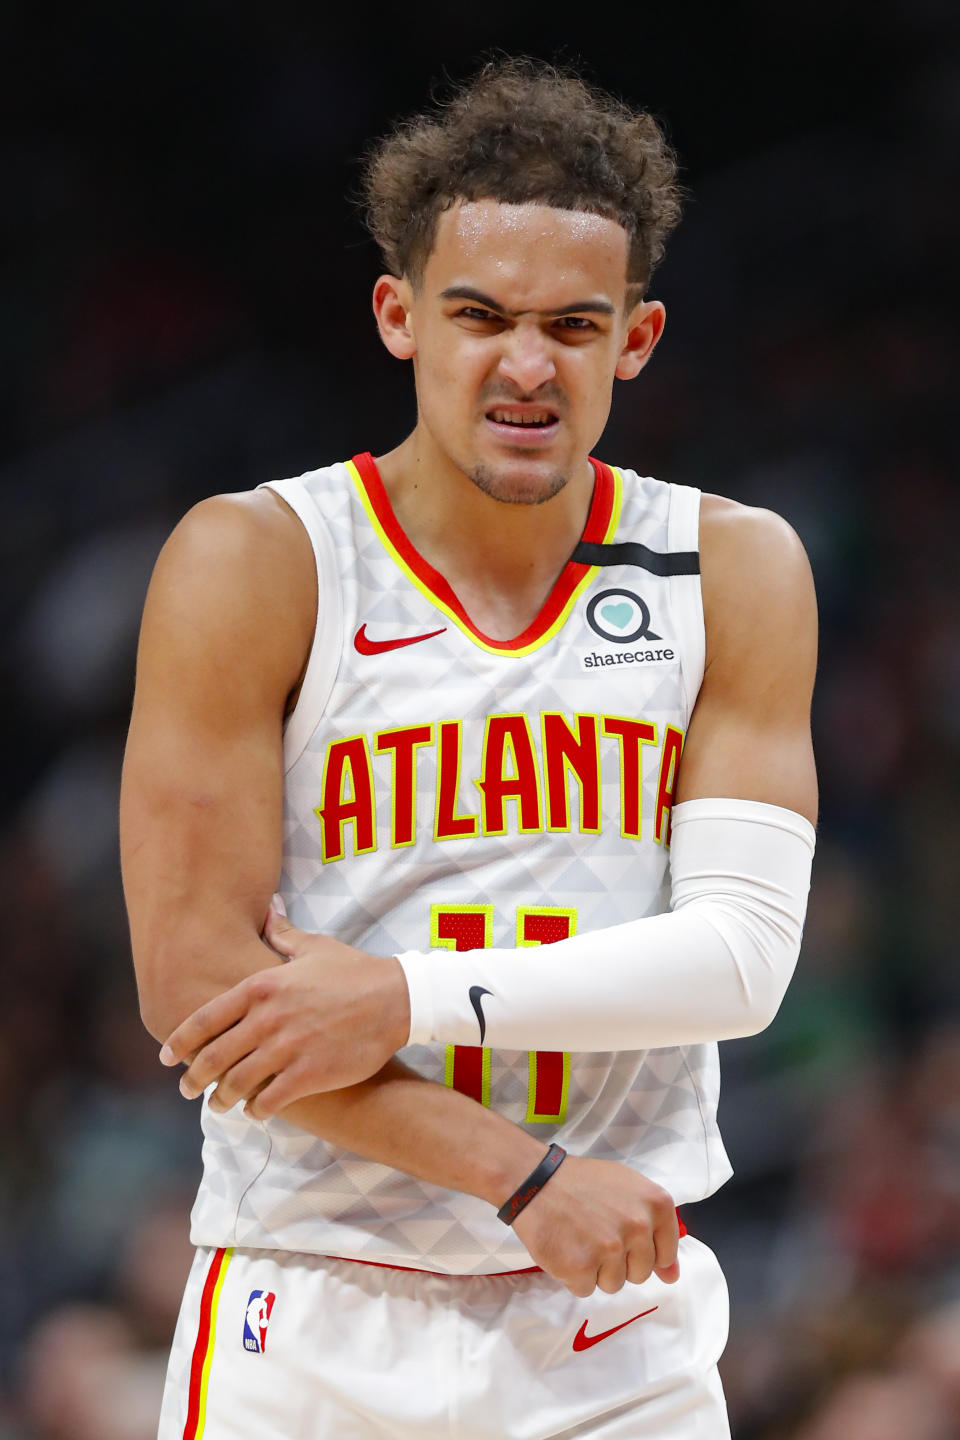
(500, 559)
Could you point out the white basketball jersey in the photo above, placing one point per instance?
(448, 790)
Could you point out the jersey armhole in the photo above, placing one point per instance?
(324, 659)
(686, 595)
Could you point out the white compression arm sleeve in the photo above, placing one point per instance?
(715, 966)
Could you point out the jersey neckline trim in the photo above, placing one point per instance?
(600, 527)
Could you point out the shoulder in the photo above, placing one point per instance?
(252, 526)
(732, 533)
(755, 574)
(237, 571)
(251, 539)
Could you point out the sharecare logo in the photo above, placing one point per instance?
(660, 656)
(256, 1320)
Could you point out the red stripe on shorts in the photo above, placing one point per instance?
(202, 1345)
(444, 1274)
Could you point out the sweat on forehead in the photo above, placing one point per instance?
(531, 243)
(476, 220)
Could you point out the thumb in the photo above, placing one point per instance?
(277, 930)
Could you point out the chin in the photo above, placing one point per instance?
(518, 484)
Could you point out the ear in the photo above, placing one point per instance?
(392, 305)
(644, 328)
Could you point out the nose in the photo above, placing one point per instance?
(526, 358)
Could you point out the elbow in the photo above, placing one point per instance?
(761, 1013)
(762, 952)
(161, 1008)
(166, 966)
(168, 991)
(178, 971)
(764, 997)
(156, 1018)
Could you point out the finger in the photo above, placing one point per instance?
(612, 1275)
(242, 1081)
(640, 1264)
(666, 1239)
(205, 1024)
(285, 1088)
(280, 934)
(215, 1060)
(277, 907)
(582, 1286)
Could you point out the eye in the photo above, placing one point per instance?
(473, 312)
(575, 322)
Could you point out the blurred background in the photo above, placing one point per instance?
(184, 309)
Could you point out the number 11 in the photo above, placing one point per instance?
(469, 927)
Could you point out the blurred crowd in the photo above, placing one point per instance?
(165, 340)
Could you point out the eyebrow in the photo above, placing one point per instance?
(466, 292)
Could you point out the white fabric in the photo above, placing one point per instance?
(268, 1184)
(324, 658)
(716, 967)
(686, 600)
(361, 1352)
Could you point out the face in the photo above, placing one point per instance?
(517, 331)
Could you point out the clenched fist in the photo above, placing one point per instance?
(598, 1224)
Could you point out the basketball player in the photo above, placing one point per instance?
(437, 702)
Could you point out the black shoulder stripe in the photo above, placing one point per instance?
(630, 552)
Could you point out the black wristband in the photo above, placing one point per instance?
(533, 1184)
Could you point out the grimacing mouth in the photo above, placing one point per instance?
(522, 416)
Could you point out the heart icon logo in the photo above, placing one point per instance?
(619, 615)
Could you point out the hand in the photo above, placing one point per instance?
(329, 1018)
(598, 1224)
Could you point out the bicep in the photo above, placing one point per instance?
(749, 736)
(200, 848)
(201, 798)
(739, 754)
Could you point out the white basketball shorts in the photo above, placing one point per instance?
(277, 1346)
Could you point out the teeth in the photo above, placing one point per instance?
(503, 417)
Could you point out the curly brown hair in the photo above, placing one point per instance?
(523, 131)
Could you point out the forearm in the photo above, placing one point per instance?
(414, 1125)
(715, 967)
(597, 1222)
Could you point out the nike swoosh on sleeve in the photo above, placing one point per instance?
(475, 993)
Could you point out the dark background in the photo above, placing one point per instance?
(184, 309)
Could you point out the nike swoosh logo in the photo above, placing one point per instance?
(366, 646)
(475, 992)
(583, 1341)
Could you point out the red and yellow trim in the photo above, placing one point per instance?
(464, 927)
(600, 528)
(548, 1085)
(203, 1349)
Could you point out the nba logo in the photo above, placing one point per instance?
(256, 1320)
